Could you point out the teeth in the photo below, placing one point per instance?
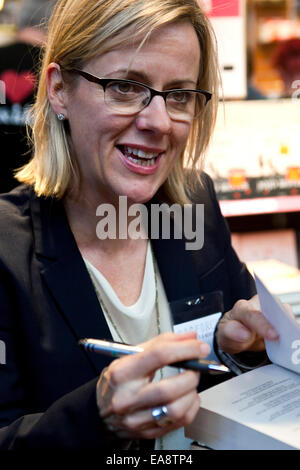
(140, 153)
(142, 163)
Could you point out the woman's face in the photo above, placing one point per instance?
(104, 142)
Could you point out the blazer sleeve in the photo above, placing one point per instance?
(236, 282)
(242, 286)
(71, 422)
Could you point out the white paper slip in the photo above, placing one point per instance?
(205, 327)
(286, 350)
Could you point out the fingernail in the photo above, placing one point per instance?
(272, 334)
(204, 349)
(242, 334)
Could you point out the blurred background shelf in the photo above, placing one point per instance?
(281, 279)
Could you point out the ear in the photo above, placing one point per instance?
(56, 89)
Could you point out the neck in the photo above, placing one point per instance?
(103, 224)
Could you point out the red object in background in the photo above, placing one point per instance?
(18, 86)
(287, 56)
(224, 8)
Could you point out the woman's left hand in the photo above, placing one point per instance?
(244, 328)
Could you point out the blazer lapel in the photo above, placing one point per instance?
(176, 267)
(65, 274)
(176, 264)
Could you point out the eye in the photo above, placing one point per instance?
(122, 87)
(180, 97)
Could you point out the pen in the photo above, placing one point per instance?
(109, 348)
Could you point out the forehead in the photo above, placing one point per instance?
(170, 50)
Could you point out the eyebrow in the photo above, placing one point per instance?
(141, 76)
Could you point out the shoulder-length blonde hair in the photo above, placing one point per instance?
(82, 29)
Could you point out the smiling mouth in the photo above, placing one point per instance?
(138, 156)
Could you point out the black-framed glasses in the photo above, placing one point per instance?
(130, 97)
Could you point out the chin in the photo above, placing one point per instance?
(141, 195)
(140, 199)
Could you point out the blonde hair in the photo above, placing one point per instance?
(82, 29)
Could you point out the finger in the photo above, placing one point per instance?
(251, 319)
(169, 337)
(183, 410)
(235, 331)
(152, 394)
(118, 400)
(235, 338)
(141, 424)
(158, 355)
(181, 413)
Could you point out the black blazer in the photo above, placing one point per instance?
(47, 385)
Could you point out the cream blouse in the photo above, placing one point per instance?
(138, 323)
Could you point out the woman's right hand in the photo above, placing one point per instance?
(126, 394)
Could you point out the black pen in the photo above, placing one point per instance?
(109, 348)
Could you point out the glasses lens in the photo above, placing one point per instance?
(185, 105)
(126, 97)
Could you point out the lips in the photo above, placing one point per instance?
(139, 156)
(139, 160)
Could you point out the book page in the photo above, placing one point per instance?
(266, 399)
(286, 350)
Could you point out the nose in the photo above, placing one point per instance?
(155, 117)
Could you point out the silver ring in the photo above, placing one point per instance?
(161, 416)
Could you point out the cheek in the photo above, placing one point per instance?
(181, 130)
(90, 132)
(181, 136)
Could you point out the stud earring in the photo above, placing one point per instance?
(61, 117)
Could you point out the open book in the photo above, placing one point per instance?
(260, 409)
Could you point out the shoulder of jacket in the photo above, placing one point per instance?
(16, 202)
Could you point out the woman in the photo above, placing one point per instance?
(96, 139)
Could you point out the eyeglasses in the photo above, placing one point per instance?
(130, 97)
